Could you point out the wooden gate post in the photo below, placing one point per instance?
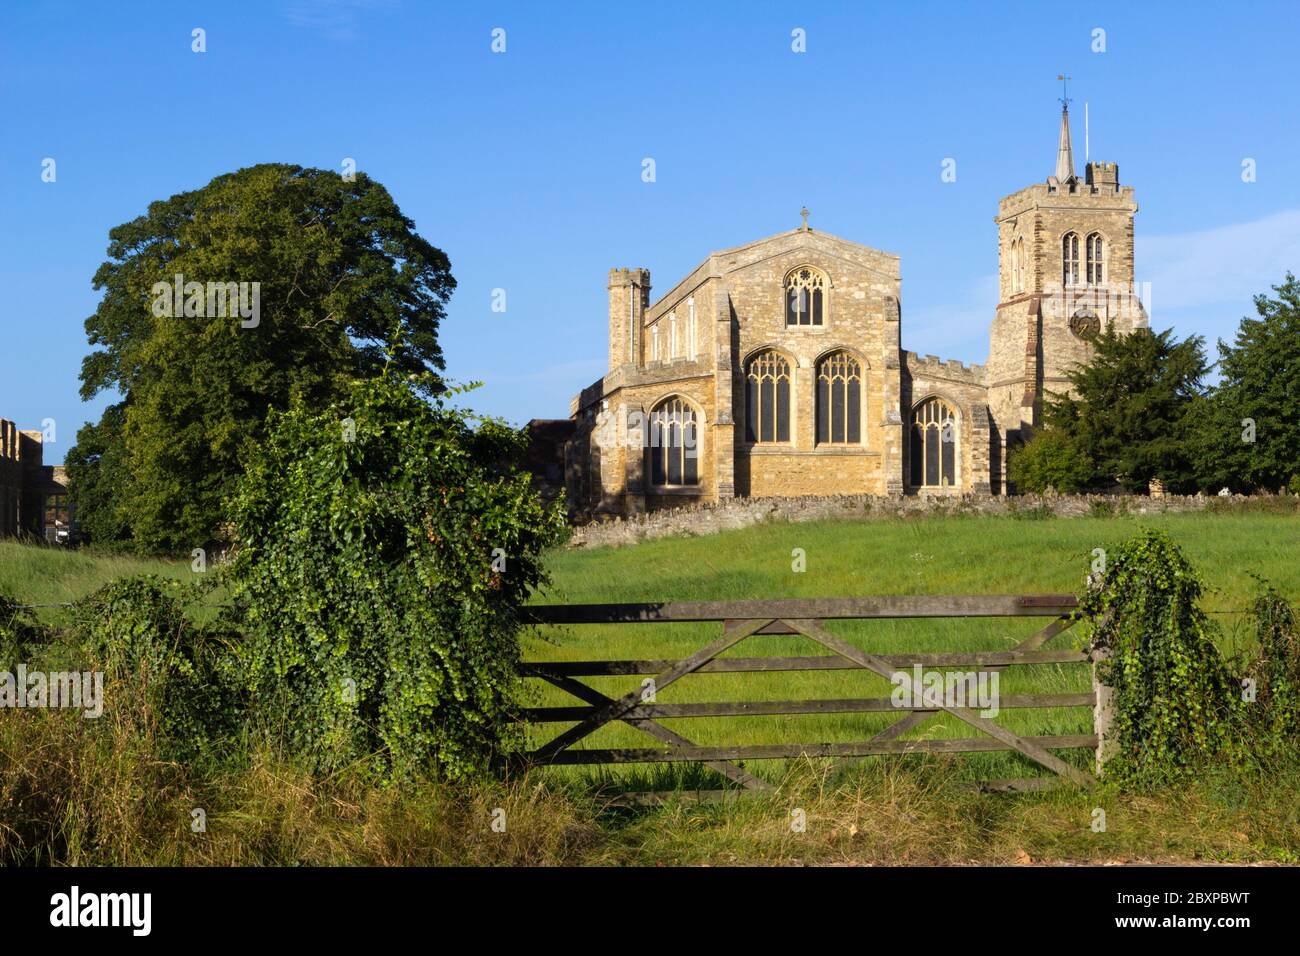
(1103, 710)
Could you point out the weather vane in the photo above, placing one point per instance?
(1065, 94)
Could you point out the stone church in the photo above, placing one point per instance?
(776, 368)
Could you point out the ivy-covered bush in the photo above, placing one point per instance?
(1175, 701)
(384, 549)
(1274, 715)
(179, 681)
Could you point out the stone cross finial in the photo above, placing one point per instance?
(804, 212)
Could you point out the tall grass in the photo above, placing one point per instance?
(76, 792)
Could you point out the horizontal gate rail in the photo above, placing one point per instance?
(778, 751)
(755, 708)
(820, 662)
(929, 605)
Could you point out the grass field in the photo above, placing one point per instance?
(52, 576)
(932, 555)
(71, 796)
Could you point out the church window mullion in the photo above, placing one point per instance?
(934, 445)
(767, 399)
(673, 447)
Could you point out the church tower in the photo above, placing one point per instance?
(1065, 272)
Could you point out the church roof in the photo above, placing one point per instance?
(724, 261)
(798, 231)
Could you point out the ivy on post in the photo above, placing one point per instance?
(1166, 701)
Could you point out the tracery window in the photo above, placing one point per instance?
(805, 297)
(767, 398)
(933, 444)
(673, 445)
(839, 399)
(1095, 259)
(1070, 259)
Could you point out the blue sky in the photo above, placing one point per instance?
(525, 167)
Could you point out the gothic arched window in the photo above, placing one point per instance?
(767, 398)
(1070, 259)
(1095, 259)
(839, 399)
(1018, 265)
(673, 445)
(805, 297)
(934, 444)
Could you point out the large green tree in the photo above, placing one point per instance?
(1127, 418)
(344, 284)
(1248, 435)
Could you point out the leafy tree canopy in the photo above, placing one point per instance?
(1129, 413)
(1249, 435)
(1051, 461)
(344, 284)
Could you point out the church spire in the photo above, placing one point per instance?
(1064, 153)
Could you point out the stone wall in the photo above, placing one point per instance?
(21, 478)
(743, 512)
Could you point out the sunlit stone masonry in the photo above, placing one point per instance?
(776, 368)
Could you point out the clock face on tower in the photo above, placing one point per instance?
(1085, 324)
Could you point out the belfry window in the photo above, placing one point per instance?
(1095, 259)
(933, 449)
(767, 398)
(673, 445)
(805, 297)
(839, 400)
(1018, 265)
(1070, 259)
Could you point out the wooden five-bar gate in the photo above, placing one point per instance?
(743, 619)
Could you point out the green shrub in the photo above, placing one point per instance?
(1175, 701)
(384, 549)
(1051, 460)
(180, 680)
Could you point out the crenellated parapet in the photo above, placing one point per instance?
(952, 369)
